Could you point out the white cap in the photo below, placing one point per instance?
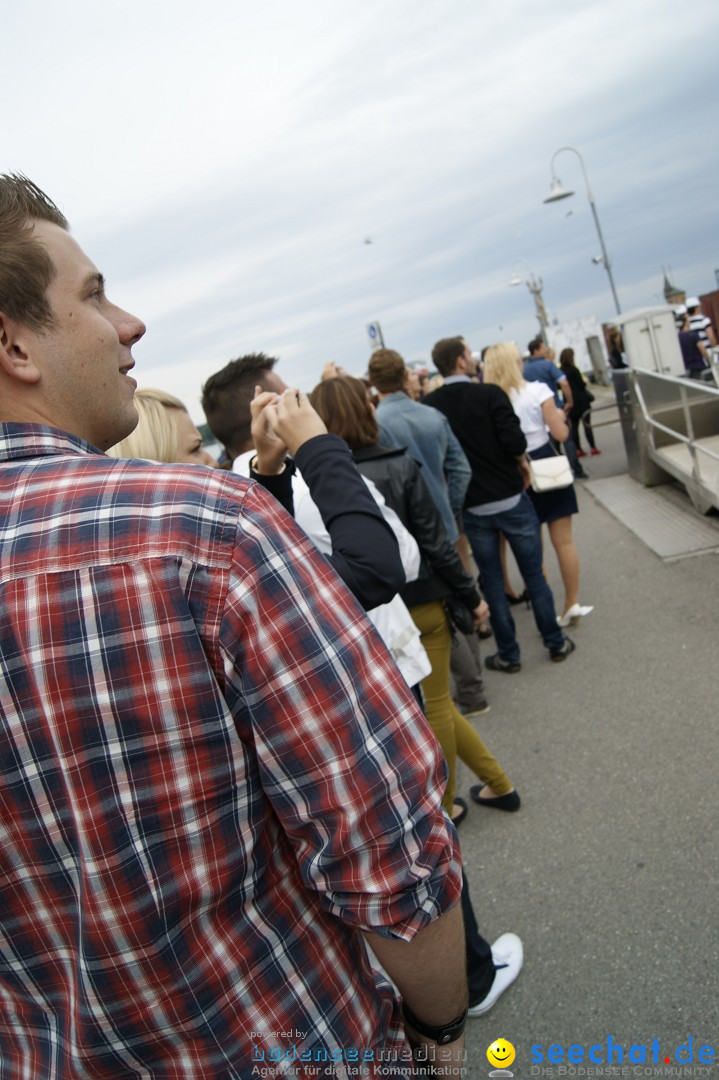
(681, 309)
(693, 301)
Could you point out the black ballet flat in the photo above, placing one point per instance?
(457, 821)
(510, 801)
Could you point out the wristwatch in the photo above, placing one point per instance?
(447, 1033)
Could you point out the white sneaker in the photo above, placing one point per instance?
(508, 957)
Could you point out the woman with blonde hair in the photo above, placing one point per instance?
(164, 432)
(540, 417)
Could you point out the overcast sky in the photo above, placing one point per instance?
(224, 164)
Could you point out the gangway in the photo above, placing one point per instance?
(671, 429)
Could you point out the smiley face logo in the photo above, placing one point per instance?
(500, 1053)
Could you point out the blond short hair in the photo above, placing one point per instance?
(503, 366)
(155, 436)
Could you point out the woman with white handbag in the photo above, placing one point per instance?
(552, 491)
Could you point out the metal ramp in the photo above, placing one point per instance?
(671, 429)
(662, 517)
(677, 459)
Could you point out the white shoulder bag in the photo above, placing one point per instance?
(551, 473)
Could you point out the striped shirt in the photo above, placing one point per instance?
(700, 323)
(211, 777)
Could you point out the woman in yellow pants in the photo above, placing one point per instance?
(454, 733)
(345, 408)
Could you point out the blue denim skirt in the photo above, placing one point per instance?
(552, 505)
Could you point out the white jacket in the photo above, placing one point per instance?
(392, 621)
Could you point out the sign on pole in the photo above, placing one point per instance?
(374, 332)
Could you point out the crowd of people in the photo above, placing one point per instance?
(233, 697)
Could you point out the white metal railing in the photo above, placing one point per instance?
(651, 394)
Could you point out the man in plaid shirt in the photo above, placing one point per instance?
(215, 784)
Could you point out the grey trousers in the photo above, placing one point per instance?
(466, 668)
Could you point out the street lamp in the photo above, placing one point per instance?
(535, 286)
(557, 192)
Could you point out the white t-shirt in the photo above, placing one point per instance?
(527, 403)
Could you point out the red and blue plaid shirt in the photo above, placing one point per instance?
(211, 776)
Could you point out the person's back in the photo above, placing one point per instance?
(578, 386)
(527, 401)
(403, 422)
(428, 438)
(700, 322)
(693, 351)
(151, 890)
(399, 478)
(539, 369)
(487, 428)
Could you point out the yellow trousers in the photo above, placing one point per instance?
(454, 733)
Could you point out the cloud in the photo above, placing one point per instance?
(224, 165)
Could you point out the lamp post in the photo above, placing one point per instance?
(535, 286)
(557, 192)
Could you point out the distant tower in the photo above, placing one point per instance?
(672, 295)
(535, 286)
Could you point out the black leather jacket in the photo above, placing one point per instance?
(399, 478)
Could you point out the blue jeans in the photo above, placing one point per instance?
(522, 530)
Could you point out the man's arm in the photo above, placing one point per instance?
(524, 470)
(456, 469)
(425, 522)
(430, 973)
(346, 756)
(507, 428)
(364, 552)
(350, 774)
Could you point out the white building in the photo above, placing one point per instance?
(586, 337)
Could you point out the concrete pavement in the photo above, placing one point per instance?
(609, 871)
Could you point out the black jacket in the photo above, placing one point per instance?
(365, 552)
(487, 428)
(581, 401)
(399, 478)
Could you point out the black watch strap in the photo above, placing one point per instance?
(447, 1033)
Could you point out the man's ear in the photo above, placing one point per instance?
(16, 352)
